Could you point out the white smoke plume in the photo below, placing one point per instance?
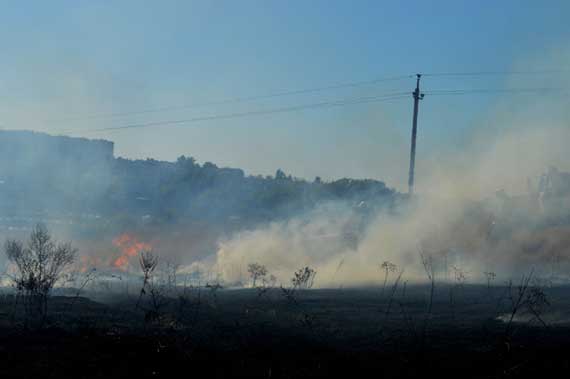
(466, 214)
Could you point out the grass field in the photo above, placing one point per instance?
(358, 332)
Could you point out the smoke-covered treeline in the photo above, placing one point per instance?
(41, 173)
(49, 174)
(185, 189)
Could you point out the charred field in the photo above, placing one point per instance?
(266, 333)
(177, 267)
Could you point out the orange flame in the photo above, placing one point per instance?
(129, 247)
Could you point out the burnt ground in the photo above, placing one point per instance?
(316, 333)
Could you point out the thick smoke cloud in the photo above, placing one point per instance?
(466, 222)
(478, 206)
(478, 210)
(320, 236)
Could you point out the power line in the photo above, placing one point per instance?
(498, 73)
(238, 99)
(325, 104)
(353, 84)
(493, 90)
(319, 105)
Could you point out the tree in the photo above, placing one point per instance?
(186, 161)
(280, 175)
(256, 271)
(38, 267)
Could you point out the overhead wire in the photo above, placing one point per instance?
(497, 73)
(323, 104)
(467, 91)
(319, 105)
(240, 99)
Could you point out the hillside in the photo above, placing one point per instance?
(47, 174)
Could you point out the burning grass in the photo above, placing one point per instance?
(129, 247)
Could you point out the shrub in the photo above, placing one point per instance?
(38, 266)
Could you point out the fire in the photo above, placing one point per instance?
(129, 247)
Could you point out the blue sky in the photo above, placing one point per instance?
(63, 61)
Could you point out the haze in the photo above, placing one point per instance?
(65, 61)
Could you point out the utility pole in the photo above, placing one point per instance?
(417, 97)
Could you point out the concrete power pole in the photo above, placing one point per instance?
(417, 97)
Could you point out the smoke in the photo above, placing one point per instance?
(319, 236)
(478, 210)
(462, 222)
(460, 217)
